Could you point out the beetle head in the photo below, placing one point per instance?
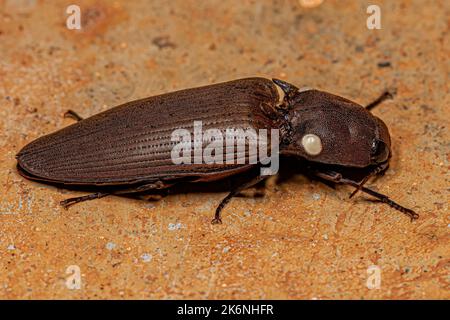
(329, 129)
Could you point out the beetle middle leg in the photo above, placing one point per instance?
(337, 178)
(235, 191)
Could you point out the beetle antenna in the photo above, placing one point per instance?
(384, 96)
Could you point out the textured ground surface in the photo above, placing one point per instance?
(302, 239)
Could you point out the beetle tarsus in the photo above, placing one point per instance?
(71, 201)
(385, 199)
(73, 115)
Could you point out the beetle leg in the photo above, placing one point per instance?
(145, 187)
(71, 201)
(72, 114)
(337, 178)
(268, 110)
(377, 170)
(384, 96)
(217, 218)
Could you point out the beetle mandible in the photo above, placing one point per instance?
(126, 150)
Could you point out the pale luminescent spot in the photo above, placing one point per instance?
(312, 144)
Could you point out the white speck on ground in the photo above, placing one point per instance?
(146, 257)
(110, 246)
(11, 247)
(226, 249)
(316, 196)
(175, 226)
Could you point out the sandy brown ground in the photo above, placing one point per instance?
(302, 239)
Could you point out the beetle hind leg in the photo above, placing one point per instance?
(97, 195)
(71, 201)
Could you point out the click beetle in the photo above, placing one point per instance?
(127, 149)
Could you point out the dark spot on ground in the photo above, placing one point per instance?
(163, 42)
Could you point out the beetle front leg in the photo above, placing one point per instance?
(337, 178)
(217, 217)
(384, 96)
(378, 170)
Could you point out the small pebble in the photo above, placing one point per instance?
(11, 247)
(310, 3)
(174, 226)
(384, 64)
(110, 246)
(226, 249)
(146, 257)
(316, 196)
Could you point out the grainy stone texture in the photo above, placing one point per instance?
(302, 239)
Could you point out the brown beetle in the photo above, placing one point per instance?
(127, 149)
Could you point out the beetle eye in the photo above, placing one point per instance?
(379, 151)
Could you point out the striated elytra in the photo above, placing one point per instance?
(129, 147)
